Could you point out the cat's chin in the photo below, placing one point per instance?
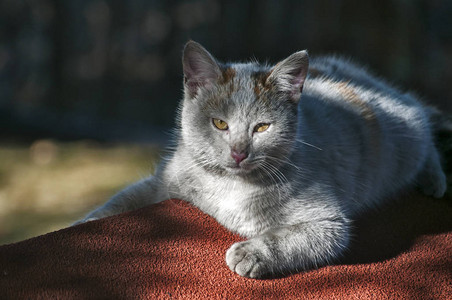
(239, 170)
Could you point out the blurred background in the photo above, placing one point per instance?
(89, 88)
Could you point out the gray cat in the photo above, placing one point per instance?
(287, 170)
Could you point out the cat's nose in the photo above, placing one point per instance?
(238, 156)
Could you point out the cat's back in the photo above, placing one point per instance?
(349, 91)
(373, 137)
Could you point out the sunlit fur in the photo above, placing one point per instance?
(317, 162)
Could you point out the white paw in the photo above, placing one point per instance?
(247, 260)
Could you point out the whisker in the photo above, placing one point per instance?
(272, 178)
(284, 161)
(308, 144)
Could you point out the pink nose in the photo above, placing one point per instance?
(238, 156)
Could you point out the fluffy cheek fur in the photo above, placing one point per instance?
(198, 136)
(272, 146)
(276, 146)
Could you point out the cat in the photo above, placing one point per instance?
(288, 155)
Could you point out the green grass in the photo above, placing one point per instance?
(48, 185)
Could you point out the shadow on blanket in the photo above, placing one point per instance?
(172, 250)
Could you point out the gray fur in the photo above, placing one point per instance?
(345, 146)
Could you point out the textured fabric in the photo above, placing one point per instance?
(172, 250)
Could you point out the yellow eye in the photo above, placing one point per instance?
(220, 124)
(261, 127)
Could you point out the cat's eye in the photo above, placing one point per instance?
(220, 124)
(261, 127)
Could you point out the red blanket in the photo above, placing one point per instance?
(172, 250)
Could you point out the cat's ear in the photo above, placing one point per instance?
(200, 68)
(289, 75)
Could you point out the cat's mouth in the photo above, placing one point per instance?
(240, 169)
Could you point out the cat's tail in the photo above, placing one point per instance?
(442, 132)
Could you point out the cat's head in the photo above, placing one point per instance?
(242, 117)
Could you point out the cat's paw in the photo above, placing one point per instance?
(432, 179)
(246, 259)
(434, 184)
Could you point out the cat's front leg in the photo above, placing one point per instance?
(140, 194)
(289, 249)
